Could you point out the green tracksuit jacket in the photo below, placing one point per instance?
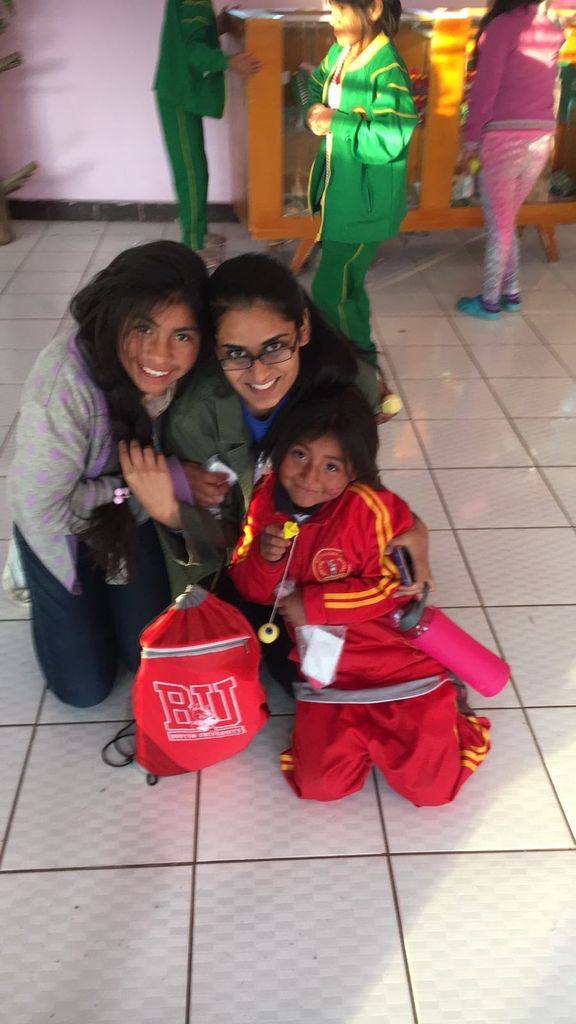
(191, 65)
(358, 180)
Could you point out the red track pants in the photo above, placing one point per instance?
(424, 747)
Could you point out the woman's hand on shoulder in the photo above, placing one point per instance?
(416, 541)
(148, 478)
(208, 489)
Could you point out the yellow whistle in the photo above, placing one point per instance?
(268, 633)
(474, 165)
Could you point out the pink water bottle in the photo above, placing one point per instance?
(433, 632)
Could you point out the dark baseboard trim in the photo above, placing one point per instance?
(59, 209)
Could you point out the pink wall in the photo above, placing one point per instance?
(82, 106)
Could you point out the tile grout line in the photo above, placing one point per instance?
(96, 721)
(511, 423)
(311, 858)
(455, 531)
(536, 742)
(485, 853)
(7, 439)
(20, 782)
(510, 419)
(190, 956)
(32, 248)
(289, 714)
(396, 900)
(572, 375)
(464, 557)
(448, 469)
(97, 239)
(439, 493)
(494, 376)
(58, 320)
(13, 274)
(548, 345)
(472, 419)
(499, 529)
(24, 258)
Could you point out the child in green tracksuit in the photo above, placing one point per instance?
(189, 85)
(361, 102)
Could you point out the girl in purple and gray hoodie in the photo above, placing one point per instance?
(91, 412)
(510, 132)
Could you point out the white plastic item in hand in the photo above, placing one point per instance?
(215, 465)
(320, 649)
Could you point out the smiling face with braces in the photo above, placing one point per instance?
(159, 349)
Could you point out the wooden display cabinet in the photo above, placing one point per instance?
(272, 150)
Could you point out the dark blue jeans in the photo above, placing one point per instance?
(80, 638)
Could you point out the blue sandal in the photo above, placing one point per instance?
(511, 305)
(474, 306)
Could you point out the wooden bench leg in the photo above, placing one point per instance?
(5, 233)
(305, 246)
(548, 238)
(8, 185)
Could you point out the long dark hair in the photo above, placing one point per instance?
(389, 20)
(330, 359)
(130, 287)
(497, 8)
(342, 412)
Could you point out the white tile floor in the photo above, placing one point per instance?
(222, 898)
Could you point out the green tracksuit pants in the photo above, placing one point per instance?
(339, 291)
(184, 138)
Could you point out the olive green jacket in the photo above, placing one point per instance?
(358, 180)
(191, 65)
(205, 420)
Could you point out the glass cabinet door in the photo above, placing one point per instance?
(307, 39)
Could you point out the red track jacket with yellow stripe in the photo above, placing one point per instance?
(346, 577)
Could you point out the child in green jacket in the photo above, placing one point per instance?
(361, 103)
(189, 85)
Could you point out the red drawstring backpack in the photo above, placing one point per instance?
(197, 695)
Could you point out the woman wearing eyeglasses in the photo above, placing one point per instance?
(272, 346)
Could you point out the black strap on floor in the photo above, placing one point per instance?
(123, 744)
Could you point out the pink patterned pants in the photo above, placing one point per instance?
(511, 165)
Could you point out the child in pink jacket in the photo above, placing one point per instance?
(510, 130)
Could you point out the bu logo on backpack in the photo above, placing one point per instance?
(197, 696)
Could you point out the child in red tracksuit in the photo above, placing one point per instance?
(390, 704)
